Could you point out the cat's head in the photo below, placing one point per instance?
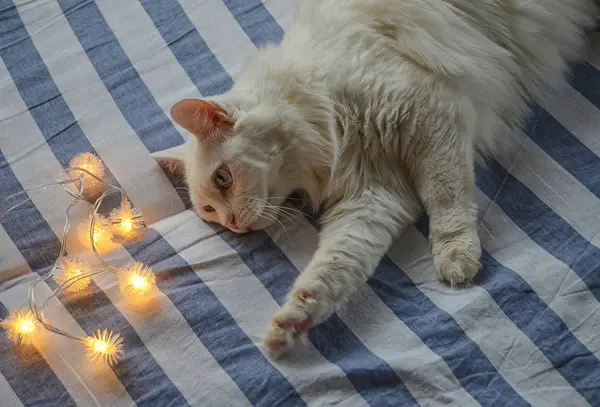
(238, 162)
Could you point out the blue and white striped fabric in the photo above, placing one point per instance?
(101, 75)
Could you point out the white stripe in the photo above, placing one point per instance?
(155, 332)
(282, 11)
(8, 396)
(65, 357)
(231, 47)
(413, 361)
(149, 53)
(554, 186)
(556, 284)
(252, 307)
(485, 323)
(577, 114)
(29, 156)
(98, 115)
(13, 268)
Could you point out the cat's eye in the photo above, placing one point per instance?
(208, 208)
(223, 177)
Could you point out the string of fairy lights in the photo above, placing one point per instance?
(84, 180)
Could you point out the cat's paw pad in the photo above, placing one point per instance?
(290, 324)
(457, 262)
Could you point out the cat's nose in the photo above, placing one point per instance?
(231, 224)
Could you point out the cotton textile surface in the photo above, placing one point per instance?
(100, 76)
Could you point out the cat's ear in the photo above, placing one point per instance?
(203, 119)
(172, 158)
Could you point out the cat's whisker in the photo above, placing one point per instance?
(293, 209)
(290, 213)
(287, 198)
(285, 215)
(278, 214)
(262, 213)
(273, 218)
(286, 212)
(276, 211)
(272, 213)
(287, 208)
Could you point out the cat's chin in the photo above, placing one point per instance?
(241, 231)
(248, 229)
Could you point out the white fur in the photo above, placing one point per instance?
(376, 109)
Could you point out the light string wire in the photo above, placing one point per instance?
(103, 345)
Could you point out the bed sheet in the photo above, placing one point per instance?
(100, 76)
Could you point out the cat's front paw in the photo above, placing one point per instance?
(291, 323)
(457, 260)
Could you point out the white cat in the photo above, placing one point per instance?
(376, 109)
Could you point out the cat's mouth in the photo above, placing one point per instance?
(252, 219)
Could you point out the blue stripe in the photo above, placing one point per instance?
(140, 374)
(256, 21)
(373, 377)
(258, 379)
(519, 301)
(549, 333)
(565, 149)
(187, 45)
(440, 332)
(528, 212)
(30, 377)
(121, 79)
(586, 80)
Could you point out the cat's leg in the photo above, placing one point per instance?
(445, 180)
(355, 235)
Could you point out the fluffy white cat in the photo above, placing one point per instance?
(376, 109)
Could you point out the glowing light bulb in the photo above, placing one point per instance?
(126, 225)
(137, 279)
(139, 283)
(102, 235)
(94, 165)
(20, 326)
(100, 347)
(26, 327)
(126, 221)
(105, 346)
(68, 272)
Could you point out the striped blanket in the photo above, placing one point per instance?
(100, 76)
